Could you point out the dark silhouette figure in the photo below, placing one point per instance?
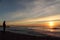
(4, 26)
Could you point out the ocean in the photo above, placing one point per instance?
(34, 31)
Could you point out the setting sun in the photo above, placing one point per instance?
(51, 24)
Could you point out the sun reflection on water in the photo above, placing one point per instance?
(51, 30)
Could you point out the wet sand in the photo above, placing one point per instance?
(15, 36)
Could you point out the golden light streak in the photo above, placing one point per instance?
(34, 20)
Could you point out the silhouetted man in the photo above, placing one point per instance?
(4, 26)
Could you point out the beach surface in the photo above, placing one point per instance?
(17, 36)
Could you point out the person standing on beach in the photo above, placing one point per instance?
(4, 26)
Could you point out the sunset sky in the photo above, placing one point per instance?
(29, 11)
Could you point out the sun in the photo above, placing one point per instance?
(51, 24)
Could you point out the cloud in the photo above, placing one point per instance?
(38, 8)
(30, 9)
(35, 21)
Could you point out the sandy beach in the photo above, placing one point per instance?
(15, 36)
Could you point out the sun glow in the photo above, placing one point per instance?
(51, 24)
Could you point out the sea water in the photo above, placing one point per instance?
(35, 31)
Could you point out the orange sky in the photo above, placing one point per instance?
(35, 20)
(26, 12)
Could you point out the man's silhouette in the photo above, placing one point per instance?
(4, 26)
